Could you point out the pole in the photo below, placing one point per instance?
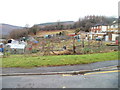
(74, 45)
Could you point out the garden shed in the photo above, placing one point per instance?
(15, 48)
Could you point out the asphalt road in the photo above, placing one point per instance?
(102, 79)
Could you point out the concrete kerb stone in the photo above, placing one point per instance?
(107, 68)
(49, 73)
(60, 73)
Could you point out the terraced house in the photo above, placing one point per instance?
(107, 32)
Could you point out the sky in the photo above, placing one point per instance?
(22, 12)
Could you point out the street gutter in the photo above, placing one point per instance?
(66, 72)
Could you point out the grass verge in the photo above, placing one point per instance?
(30, 61)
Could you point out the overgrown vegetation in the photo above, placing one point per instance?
(37, 61)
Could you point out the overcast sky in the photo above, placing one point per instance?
(22, 12)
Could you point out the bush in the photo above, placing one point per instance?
(35, 51)
(86, 50)
(6, 54)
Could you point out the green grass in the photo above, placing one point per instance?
(30, 61)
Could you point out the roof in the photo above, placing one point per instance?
(16, 46)
(100, 24)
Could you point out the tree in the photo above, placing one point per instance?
(88, 21)
(34, 29)
(16, 34)
(77, 30)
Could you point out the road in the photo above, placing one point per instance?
(101, 79)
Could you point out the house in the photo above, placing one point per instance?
(107, 32)
(112, 31)
(99, 28)
(113, 27)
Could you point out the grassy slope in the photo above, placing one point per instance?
(42, 33)
(29, 61)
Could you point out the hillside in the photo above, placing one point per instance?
(6, 28)
(42, 33)
(55, 23)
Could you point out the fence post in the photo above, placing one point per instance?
(74, 45)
